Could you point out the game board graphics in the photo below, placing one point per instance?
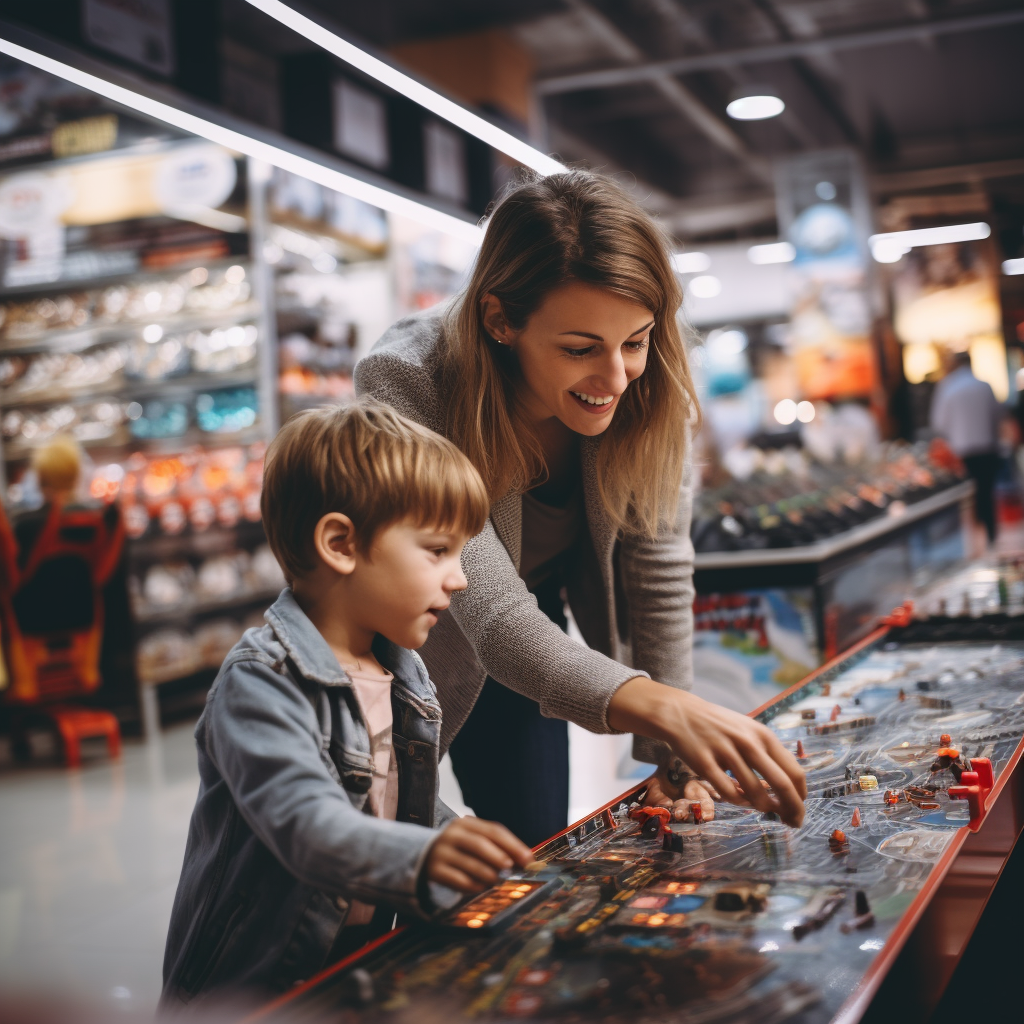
(737, 919)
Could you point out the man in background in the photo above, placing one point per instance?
(965, 412)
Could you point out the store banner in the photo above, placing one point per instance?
(823, 211)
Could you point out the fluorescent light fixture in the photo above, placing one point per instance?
(705, 287)
(1012, 267)
(410, 88)
(771, 252)
(262, 151)
(691, 262)
(755, 103)
(890, 246)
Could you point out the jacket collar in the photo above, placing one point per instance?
(313, 657)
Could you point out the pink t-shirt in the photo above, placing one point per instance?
(373, 692)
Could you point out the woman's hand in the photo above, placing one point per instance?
(712, 740)
(661, 793)
(469, 853)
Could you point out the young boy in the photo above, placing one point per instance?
(317, 816)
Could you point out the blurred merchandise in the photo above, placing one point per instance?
(786, 498)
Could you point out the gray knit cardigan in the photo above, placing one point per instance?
(632, 598)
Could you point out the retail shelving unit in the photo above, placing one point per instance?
(160, 358)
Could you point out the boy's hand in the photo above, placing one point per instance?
(469, 853)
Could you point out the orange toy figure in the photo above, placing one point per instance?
(800, 749)
(653, 820)
(67, 552)
(855, 820)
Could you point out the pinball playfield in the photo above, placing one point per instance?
(907, 746)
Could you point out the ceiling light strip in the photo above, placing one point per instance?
(338, 181)
(407, 86)
(934, 236)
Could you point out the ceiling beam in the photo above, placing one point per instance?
(672, 90)
(652, 70)
(937, 177)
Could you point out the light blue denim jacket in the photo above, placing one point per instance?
(279, 841)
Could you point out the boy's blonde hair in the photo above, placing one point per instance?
(58, 464)
(373, 465)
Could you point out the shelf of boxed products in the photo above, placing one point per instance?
(793, 509)
(160, 424)
(324, 249)
(200, 570)
(162, 362)
(70, 319)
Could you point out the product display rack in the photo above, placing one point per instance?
(182, 381)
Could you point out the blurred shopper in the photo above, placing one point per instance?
(965, 412)
(67, 550)
(561, 373)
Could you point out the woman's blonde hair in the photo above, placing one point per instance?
(543, 233)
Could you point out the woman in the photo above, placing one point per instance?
(560, 371)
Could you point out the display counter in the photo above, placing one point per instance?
(912, 748)
(764, 618)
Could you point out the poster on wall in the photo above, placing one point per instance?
(823, 211)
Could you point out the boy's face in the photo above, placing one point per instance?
(406, 580)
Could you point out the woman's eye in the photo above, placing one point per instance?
(637, 346)
(578, 352)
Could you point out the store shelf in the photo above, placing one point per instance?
(83, 338)
(214, 540)
(147, 616)
(138, 275)
(825, 549)
(129, 390)
(169, 445)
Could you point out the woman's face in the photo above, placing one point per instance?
(578, 353)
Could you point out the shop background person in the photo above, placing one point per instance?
(561, 373)
(965, 412)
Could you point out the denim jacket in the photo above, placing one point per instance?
(279, 841)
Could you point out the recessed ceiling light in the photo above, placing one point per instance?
(705, 287)
(772, 252)
(755, 103)
(1012, 267)
(691, 262)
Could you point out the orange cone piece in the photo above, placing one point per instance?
(836, 712)
(855, 820)
(800, 748)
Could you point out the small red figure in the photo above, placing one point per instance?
(836, 712)
(945, 740)
(903, 696)
(697, 811)
(855, 821)
(653, 820)
(800, 748)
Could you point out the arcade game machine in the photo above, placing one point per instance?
(912, 743)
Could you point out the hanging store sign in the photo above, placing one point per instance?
(823, 211)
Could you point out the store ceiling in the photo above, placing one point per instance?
(946, 98)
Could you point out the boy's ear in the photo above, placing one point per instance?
(334, 539)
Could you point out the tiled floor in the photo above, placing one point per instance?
(89, 861)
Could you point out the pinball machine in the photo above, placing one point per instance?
(911, 741)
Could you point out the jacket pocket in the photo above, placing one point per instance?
(211, 945)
